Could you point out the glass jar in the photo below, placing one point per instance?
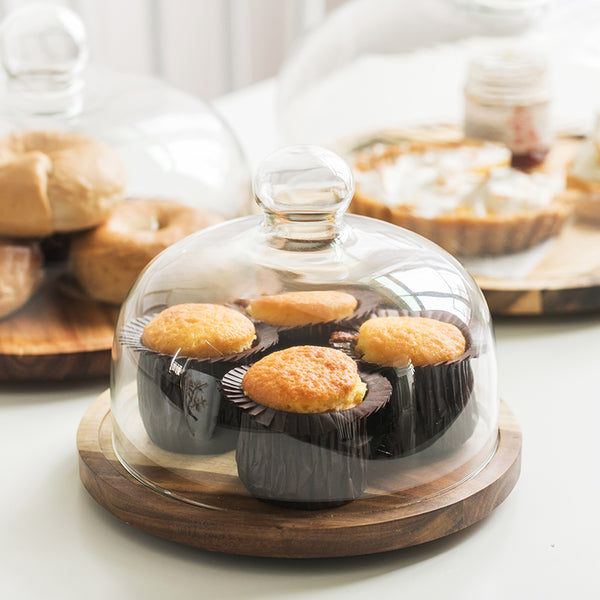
(507, 100)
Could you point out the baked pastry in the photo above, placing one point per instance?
(309, 317)
(107, 260)
(402, 340)
(199, 331)
(583, 177)
(461, 195)
(427, 362)
(305, 379)
(303, 440)
(52, 181)
(182, 353)
(20, 273)
(302, 308)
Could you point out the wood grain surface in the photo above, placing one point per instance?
(225, 519)
(56, 336)
(567, 280)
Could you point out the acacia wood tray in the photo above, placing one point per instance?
(57, 336)
(566, 281)
(239, 524)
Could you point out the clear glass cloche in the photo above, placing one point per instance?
(247, 369)
(171, 144)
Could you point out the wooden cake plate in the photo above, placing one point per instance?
(233, 522)
(565, 281)
(56, 336)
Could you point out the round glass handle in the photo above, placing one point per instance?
(304, 183)
(44, 50)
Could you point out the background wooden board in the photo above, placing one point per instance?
(244, 525)
(567, 280)
(56, 336)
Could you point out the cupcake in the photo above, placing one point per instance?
(463, 196)
(427, 362)
(309, 317)
(303, 441)
(183, 352)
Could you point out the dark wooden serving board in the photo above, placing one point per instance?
(567, 280)
(226, 519)
(56, 336)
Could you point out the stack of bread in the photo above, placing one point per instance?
(70, 187)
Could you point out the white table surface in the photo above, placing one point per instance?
(542, 542)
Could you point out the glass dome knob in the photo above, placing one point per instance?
(43, 49)
(304, 191)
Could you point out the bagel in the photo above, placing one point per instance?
(107, 260)
(20, 273)
(53, 181)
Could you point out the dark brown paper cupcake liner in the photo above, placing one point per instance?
(307, 473)
(306, 461)
(424, 404)
(179, 398)
(180, 407)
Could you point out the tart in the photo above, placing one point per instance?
(463, 196)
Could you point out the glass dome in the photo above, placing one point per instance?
(375, 69)
(171, 145)
(309, 281)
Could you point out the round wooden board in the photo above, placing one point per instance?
(56, 336)
(365, 526)
(567, 280)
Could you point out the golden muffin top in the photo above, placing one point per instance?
(199, 331)
(305, 379)
(398, 341)
(303, 308)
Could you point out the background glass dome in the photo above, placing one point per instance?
(378, 67)
(173, 146)
(167, 408)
